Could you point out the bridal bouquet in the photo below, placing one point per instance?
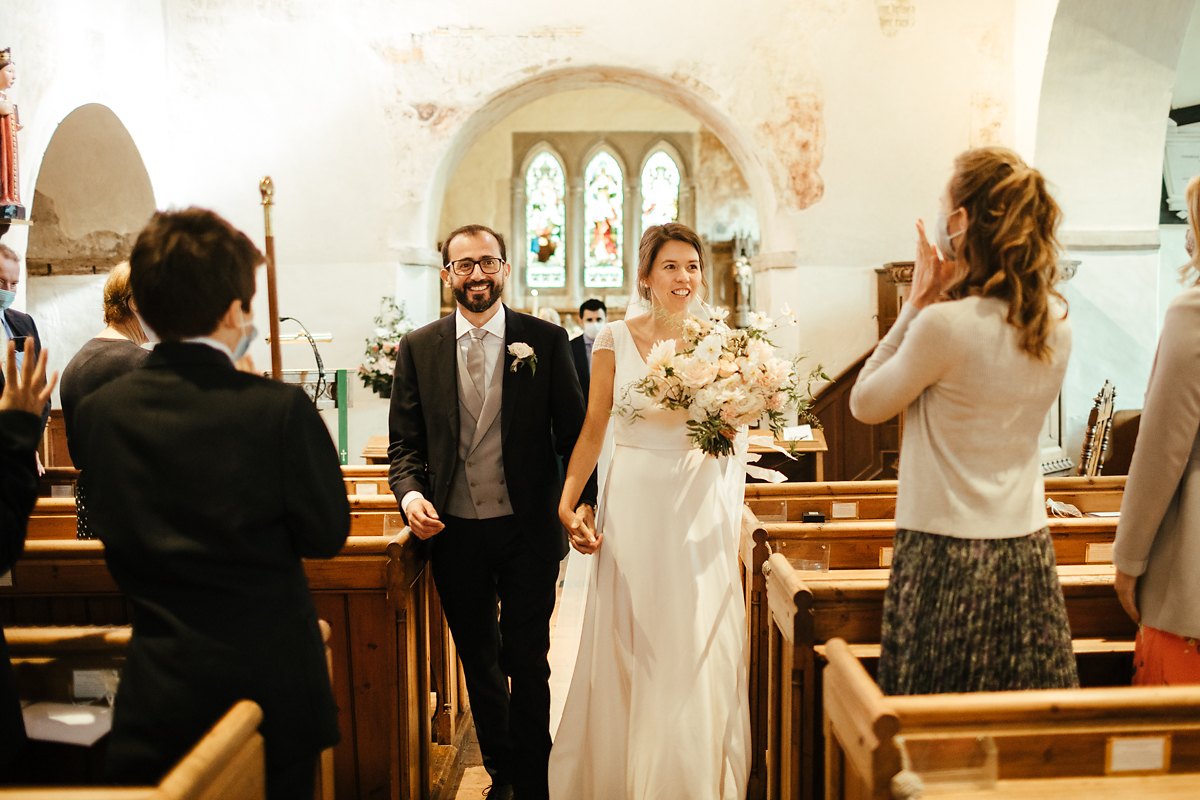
(725, 378)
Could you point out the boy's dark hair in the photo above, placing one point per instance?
(186, 268)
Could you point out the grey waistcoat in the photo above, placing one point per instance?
(478, 489)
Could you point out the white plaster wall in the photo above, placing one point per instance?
(1187, 81)
(845, 134)
(1107, 87)
(1033, 21)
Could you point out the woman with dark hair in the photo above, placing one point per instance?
(114, 351)
(658, 704)
(975, 361)
(1157, 550)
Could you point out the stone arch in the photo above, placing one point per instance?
(1106, 89)
(92, 196)
(737, 140)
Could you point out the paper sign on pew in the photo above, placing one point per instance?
(798, 433)
(1137, 755)
(67, 723)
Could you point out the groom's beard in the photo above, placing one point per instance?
(478, 301)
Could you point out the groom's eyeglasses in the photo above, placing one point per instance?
(489, 265)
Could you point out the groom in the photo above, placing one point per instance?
(482, 401)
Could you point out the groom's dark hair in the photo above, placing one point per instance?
(471, 230)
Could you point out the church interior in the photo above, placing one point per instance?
(802, 139)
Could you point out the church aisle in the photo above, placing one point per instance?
(565, 627)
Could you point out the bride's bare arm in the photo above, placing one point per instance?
(581, 526)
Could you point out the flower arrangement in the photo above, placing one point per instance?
(725, 378)
(391, 325)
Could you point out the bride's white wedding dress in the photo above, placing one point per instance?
(658, 702)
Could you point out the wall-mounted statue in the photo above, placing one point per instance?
(10, 123)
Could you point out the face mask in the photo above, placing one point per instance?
(592, 329)
(249, 334)
(7, 296)
(945, 239)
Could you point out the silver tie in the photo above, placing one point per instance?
(477, 362)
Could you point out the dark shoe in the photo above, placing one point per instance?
(499, 791)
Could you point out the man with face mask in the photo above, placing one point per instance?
(592, 315)
(16, 325)
(208, 486)
(484, 402)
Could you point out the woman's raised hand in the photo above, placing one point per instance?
(932, 273)
(28, 389)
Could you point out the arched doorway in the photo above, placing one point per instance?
(724, 190)
(91, 198)
(1101, 127)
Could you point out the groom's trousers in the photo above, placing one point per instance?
(479, 565)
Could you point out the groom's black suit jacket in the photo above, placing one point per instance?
(541, 414)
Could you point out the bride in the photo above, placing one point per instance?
(658, 702)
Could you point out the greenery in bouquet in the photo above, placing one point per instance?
(391, 325)
(726, 379)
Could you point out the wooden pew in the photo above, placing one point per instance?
(58, 481)
(1038, 735)
(370, 515)
(865, 544)
(44, 661)
(375, 594)
(877, 499)
(227, 764)
(810, 608)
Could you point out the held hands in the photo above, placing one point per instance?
(28, 390)
(581, 528)
(1126, 586)
(423, 518)
(932, 273)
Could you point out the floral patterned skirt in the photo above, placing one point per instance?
(974, 615)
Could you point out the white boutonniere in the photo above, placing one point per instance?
(522, 354)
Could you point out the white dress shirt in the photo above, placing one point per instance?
(492, 344)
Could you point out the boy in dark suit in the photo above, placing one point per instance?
(210, 485)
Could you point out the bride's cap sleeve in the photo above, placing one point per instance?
(604, 340)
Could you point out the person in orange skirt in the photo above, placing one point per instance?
(1157, 549)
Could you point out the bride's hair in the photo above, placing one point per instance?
(653, 240)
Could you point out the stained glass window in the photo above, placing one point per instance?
(545, 214)
(603, 212)
(660, 190)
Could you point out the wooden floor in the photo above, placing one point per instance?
(470, 779)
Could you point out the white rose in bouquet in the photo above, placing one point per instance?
(662, 356)
(697, 373)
